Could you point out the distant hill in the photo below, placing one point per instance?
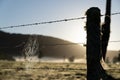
(12, 45)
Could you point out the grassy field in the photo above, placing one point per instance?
(11, 70)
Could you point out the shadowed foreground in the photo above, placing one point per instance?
(11, 70)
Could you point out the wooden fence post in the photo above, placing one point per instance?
(93, 43)
(95, 70)
(106, 28)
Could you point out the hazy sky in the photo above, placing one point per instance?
(16, 12)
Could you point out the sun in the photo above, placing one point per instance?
(78, 33)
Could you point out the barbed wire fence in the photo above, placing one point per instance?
(50, 22)
(54, 21)
(51, 45)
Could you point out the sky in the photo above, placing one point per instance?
(17, 12)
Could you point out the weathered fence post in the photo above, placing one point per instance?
(93, 43)
(95, 70)
(106, 28)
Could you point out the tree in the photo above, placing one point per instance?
(115, 59)
(119, 56)
(71, 59)
(107, 60)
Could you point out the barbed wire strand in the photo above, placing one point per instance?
(49, 22)
(57, 44)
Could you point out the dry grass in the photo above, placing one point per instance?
(10, 70)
